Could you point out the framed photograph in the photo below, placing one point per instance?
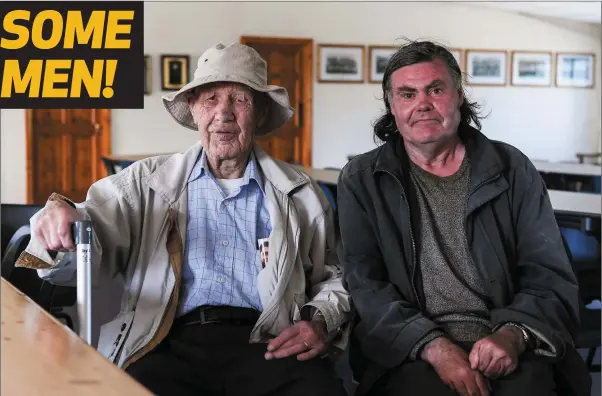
(457, 53)
(378, 57)
(174, 72)
(531, 69)
(340, 63)
(486, 67)
(575, 70)
(147, 75)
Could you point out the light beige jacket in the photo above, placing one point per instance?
(139, 221)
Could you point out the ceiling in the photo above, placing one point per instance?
(589, 12)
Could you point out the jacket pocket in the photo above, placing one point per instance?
(113, 335)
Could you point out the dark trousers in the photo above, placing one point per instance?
(217, 359)
(533, 377)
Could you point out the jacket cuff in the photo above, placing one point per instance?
(540, 346)
(546, 347)
(332, 316)
(415, 352)
(59, 197)
(35, 256)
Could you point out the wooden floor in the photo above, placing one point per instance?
(41, 356)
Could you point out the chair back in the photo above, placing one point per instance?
(12, 217)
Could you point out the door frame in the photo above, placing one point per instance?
(103, 125)
(307, 51)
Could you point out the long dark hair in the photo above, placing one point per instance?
(417, 52)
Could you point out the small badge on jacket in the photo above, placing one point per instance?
(263, 245)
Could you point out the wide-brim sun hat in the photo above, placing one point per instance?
(236, 63)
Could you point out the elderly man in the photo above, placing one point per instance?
(451, 251)
(188, 234)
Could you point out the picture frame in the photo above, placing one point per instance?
(341, 63)
(147, 75)
(575, 70)
(174, 71)
(378, 57)
(531, 69)
(486, 67)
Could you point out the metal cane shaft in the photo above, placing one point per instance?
(83, 240)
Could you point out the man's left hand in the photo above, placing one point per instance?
(497, 355)
(307, 339)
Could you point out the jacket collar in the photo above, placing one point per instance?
(170, 179)
(485, 162)
(283, 176)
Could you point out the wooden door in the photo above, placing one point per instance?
(290, 66)
(64, 149)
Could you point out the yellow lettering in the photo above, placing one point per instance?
(81, 75)
(51, 77)
(114, 28)
(57, 29)
(12, 77)
(75, 28)
(9, 26)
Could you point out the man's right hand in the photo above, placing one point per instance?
(453, 367)
(53, 227)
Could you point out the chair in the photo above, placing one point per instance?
(329, 195)
(13, 216)
(588, 336)
(114, 166)
(50, 297)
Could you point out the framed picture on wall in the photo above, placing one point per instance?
(174, 72)
(378, 58)
(575, 70)
(531, 69)
(147, 75)
(341, 63)
(486, 67)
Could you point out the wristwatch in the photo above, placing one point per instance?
(527, 337)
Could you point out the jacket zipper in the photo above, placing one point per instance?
(468, 197)
(154, 341)
(411, 238)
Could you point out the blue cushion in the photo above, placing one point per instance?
(329, 195)
(583, 247)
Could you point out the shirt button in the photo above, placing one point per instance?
(221, 279)
(225, 243)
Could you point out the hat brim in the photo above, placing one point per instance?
(279, 108)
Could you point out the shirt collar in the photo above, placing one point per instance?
(201, 169)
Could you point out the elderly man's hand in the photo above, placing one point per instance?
(497, 355)
(53, 228)
(452, 366)
(307, 339)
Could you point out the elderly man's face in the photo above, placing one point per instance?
(425, 102)
(227, 117)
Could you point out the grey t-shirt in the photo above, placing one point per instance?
(453, 289)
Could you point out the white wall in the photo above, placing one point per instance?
(12, 146)
(546, 123)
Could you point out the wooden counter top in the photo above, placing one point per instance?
(41, 356)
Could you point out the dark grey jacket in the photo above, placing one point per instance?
(512, 235)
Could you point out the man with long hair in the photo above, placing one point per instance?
(451, 251)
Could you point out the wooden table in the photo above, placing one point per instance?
(329, 177)
(132, 157)
(41, 356)
(586, 204)
(568, 168)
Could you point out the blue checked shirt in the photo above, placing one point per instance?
(221, 261)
